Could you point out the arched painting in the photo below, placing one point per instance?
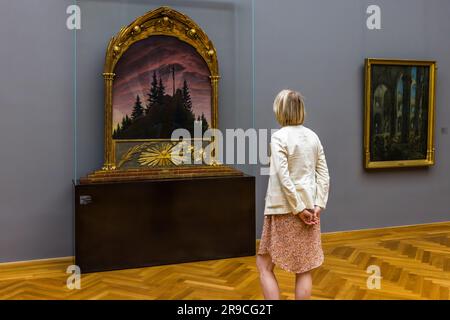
(161, 84)
(161, 74)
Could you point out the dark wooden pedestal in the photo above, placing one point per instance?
(135, 224)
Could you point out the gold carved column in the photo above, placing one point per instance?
(214, 118)
(215, 100)
(109, 154)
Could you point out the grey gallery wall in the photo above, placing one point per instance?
(36, 129)
(317, 47)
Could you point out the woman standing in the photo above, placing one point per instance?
(296, 195)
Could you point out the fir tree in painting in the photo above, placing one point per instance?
(162, 84)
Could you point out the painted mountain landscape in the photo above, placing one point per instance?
(161, 84)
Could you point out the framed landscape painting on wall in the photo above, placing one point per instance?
(399, 113)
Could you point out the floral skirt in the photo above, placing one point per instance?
(292, 245)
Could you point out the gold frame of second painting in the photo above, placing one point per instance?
(430, 160)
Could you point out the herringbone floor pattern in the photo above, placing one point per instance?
(414, 262)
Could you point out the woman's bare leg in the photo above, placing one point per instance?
(267, 278)
(303, 286)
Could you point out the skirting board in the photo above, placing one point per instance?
(325, 236)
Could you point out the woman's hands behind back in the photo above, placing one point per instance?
(309, 217)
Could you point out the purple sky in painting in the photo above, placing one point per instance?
(134, 73)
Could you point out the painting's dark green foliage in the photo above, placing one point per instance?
(138, 109)
(186, 95)
(152, 96)
(163, 115)
(161, 91)
(124, 125)
(205, 125)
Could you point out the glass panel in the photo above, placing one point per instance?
(228, 24)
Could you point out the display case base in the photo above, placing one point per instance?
(154, 222)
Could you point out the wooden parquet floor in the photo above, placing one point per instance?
(414, 263)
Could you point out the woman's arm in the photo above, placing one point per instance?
(322, 178)
(280, 165)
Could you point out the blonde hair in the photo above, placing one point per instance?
(289, 108)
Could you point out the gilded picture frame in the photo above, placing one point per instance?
(163, 21)
(399, 115)
(165, 24)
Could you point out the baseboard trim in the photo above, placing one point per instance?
(325, 234)
(388, 228)
(37, 261)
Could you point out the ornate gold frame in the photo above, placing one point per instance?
(161, 21)
(430, 160)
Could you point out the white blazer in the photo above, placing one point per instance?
(299, 176)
